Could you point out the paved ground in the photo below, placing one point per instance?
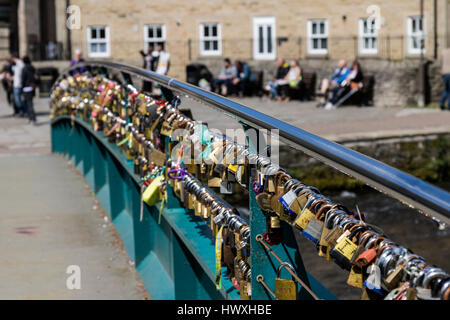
(51, 220)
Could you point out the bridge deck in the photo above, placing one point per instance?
(50, 220)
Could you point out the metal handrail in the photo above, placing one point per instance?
(397, 184)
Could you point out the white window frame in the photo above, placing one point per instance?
(311, 37)
(203, 38)
(154, 40)
(106, 41)
(265, 55)
(372, 34)
(420, 34)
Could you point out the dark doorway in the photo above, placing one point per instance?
(48, 29)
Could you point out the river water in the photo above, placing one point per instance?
(403, 225)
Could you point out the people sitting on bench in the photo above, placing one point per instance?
(291, 80)
(273, 86)
(224, 82)
(352, 84)
(339, 75)
(244, 78)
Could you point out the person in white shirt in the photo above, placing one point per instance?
(17, 84)
(163, 62)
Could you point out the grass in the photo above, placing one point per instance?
(434, 105)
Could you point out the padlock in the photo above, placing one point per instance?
(327, 227)
(345, 248)
(313, 230)
(367, 256)
(276, 205)
(285, 289)
(274, 234)
(373, 281)
(264, 201)
(151, 195)
(303, 218)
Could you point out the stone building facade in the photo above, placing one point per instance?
(317, 33)
(28, 28)
(385, 36)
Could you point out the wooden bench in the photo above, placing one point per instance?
(306, 90)
(256, 88)
(364, 97)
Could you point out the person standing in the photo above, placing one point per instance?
(29, 83)
(446, 78)
(7, 77)
(149, 64)
(78, 58)
(17, 84)
(163, 61)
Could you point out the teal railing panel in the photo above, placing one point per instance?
(175, 258)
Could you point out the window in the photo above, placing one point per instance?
(264, 38)
(210, 39)
(155, 34)
(98, 41)
(318, 36)
(368, 42)
(416, 35)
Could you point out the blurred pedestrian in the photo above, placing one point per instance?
(78, 58)
(163, 60)
(446, 77)
(352, 84)
(327, 85)
(224, 81)
(244, 78)
(149, 64)
(7, 81)
(291, 80)
(29, 84)
(17, 85)
(150, 58)
(282, 71)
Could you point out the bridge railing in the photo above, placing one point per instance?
(184, 255)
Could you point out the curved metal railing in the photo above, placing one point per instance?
(395, 183)
(430, 200)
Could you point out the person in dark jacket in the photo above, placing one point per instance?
(149, 64)
(244, 78)
(29, 83)
(6, 77)
(282, 71)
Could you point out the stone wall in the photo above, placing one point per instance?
(396, 82)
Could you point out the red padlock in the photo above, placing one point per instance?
(370, 254)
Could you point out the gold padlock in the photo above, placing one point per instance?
(244, 290)
(285, 289)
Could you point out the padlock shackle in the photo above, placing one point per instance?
(287, 266)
